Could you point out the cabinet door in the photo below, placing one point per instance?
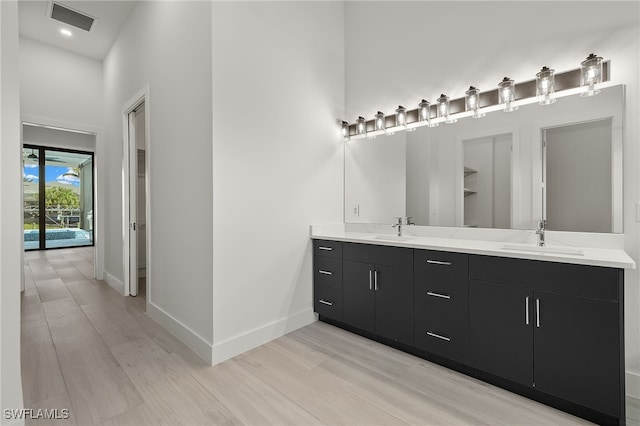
(358, 294)
(577, 350)
(500, 332)
(394, 303)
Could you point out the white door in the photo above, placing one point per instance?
(133, 205)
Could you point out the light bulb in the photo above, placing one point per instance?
(545, 85)
(361, 126)
(472, 102)
(379, 123)
(442, 108)
(424, 113)
(506, 94)
(591, 74)
(345, 130)
(401, 116)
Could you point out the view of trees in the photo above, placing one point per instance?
(61, 197)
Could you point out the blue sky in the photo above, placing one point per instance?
(52, 173)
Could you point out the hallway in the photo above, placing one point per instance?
(87, 349)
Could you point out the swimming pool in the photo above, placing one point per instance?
(63, 237)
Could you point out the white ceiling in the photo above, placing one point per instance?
(110, 17)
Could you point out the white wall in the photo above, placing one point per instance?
(167, 46)
(45, 136)
(60, 85)
(10, 213)
(443, 47)
(278, 88)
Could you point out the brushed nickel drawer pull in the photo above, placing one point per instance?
(444, 296)
(325, 272)
(325, 248)
(526, 310)
(438, 262)
(375, 280)
(438, 336)
(324, 302)
(537, 312)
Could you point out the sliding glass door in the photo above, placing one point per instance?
(58, 198)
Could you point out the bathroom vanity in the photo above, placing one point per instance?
(544, 323)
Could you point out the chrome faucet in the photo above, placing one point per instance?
(542, 225)
(398, 224)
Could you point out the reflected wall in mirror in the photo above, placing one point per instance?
(421, 174)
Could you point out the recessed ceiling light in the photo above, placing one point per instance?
(65, 32)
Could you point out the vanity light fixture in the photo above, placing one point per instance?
(345, 131)
(443, 109)
(546, 85)
(472, 102)
(424, 113)
(361, 126)
(507, 94)
(401, 116)
(379, 122)
(591, 74)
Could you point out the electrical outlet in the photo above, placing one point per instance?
(356, 210)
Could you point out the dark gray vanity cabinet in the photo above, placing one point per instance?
(547, 330)
(377, 290)
(441, 287)
(554, 327)
(327, 278)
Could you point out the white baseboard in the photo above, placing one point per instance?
(190, 338)
(114, 282)
(632, 384)
(259, 336)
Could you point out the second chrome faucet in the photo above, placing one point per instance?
(399, 222)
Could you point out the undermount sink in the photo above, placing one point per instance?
(546, 249)
(392, 238)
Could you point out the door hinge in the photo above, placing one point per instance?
(133, 226)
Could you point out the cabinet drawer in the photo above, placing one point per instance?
(442, 262)
(441, 294)
(379, 255)
(443, 335)
(327, 248)
(327, 271)
(327, 301)
(579, 280)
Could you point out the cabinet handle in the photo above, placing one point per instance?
(325, 272)
(526, 310)
(444, 296)
(437, 336)
(375, 280)
(370, 279)
(537, 312)
(438, 262)
(324, 302)
(325, 248)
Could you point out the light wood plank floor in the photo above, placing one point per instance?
(96, 353)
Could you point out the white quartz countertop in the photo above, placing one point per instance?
(608, 257)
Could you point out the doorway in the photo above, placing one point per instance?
(58, 201)
(135, 212)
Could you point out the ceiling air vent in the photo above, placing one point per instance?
(71, 17)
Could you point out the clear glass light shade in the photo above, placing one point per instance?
(344, 132)
(401, 116)
(472, 102)
(361, 126)
(546, 85)
(507, 94)
(443, 109)
(591, 74)
(379, 121)
(424, 113)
